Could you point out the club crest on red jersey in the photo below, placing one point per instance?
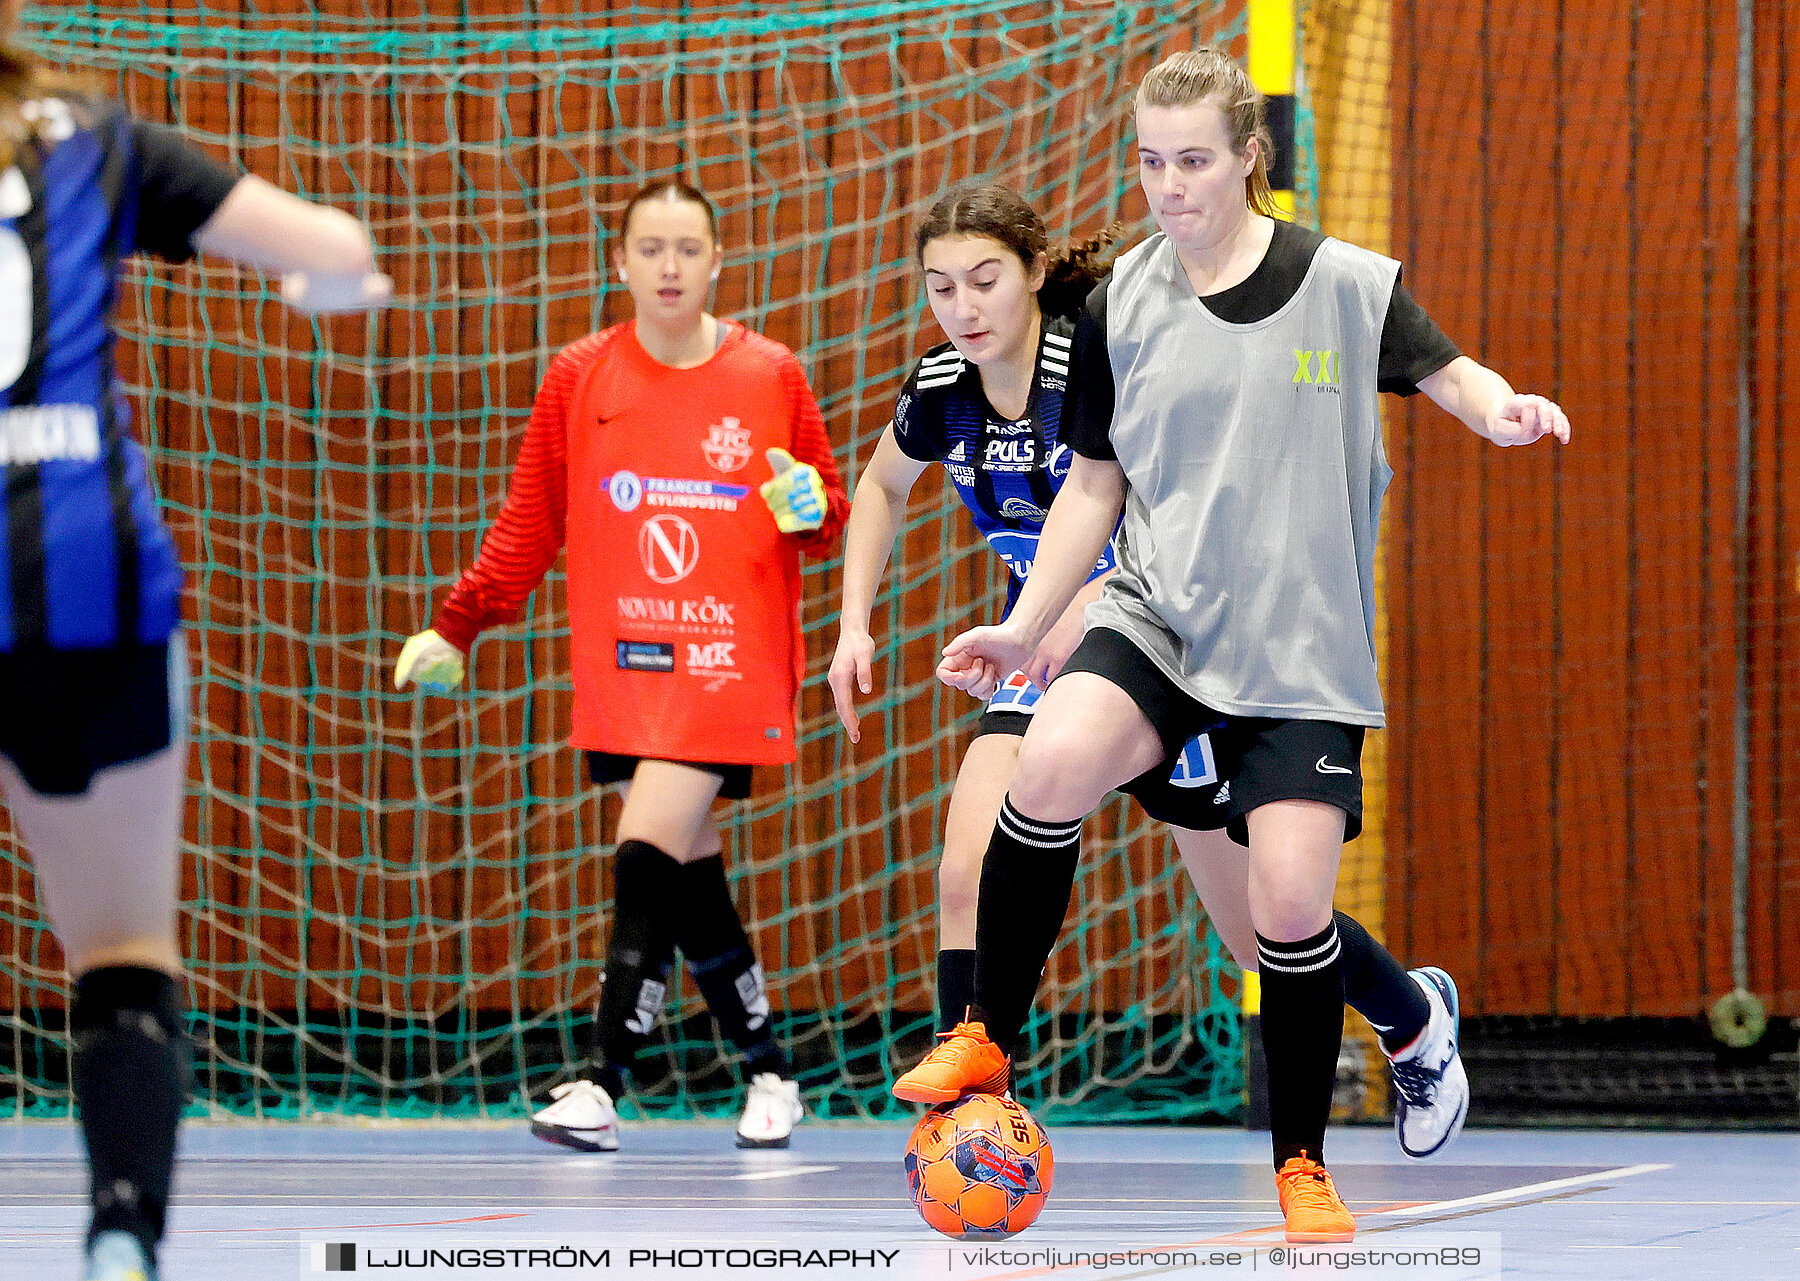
(727, 445)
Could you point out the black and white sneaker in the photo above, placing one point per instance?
(771, 1112)
(1431, 1090)
(581, 1117)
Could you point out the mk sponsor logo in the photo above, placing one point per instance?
(1318, 368)
(711, 657)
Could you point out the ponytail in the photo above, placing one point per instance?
(1073, 271)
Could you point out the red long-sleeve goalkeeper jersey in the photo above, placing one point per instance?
(684, 598)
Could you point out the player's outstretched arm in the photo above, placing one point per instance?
(1489, 407)
(325, 257)
(1080, 522)
(875, 517)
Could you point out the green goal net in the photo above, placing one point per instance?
(394, 904)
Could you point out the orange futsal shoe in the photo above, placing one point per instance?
(1315, 1212)
(964, 1062)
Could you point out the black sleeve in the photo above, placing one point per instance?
(917, 435)
(1412, 346)
(180, 187)
(1087, 421)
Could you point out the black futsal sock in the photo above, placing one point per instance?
(1302, 1028)
(712, 938)
(1376, 987)
(639, 956)
(955, 985)
(1026, 881)
(131, 1076)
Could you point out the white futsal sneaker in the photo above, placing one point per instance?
(771, 1112)
(582, 1117)
(117, 1256)
(1431, 1090)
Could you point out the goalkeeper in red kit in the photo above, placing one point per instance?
(682, 460)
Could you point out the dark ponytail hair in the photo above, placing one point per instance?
(1002, 215)
(23, 79)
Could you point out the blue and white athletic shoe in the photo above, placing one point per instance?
(1431, 1090)
(117, 1256)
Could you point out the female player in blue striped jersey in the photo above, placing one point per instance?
(1227, 378)
(988, 406)
(93, 718)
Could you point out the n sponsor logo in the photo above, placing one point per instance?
(669, 548)
(1318, 368)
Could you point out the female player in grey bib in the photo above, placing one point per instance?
(1228, 375)
(989, 406)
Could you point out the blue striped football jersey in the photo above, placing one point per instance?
(1006, 471)
(85, 559)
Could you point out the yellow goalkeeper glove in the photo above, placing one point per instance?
(430, 662)
(796, 495)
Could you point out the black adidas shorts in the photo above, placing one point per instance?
(67, 714)
(609, 767)
(1242, 762)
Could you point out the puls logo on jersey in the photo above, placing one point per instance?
(727, 445)
(1010, 455)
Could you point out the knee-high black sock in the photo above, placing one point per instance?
(1026, 881)
(1376, 987)
(711, 936)
(639, 956)
(955, 985)
(131, 1083)
(1302, 1027)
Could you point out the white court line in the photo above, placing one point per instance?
(783, 1173)
(1513, 1194)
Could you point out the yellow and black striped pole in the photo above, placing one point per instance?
(1274, 53)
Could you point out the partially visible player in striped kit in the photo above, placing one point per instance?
(682, 460)
(93, 720)
(989, 407)
(1226, 406)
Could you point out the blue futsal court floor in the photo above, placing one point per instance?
(252, 1201)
